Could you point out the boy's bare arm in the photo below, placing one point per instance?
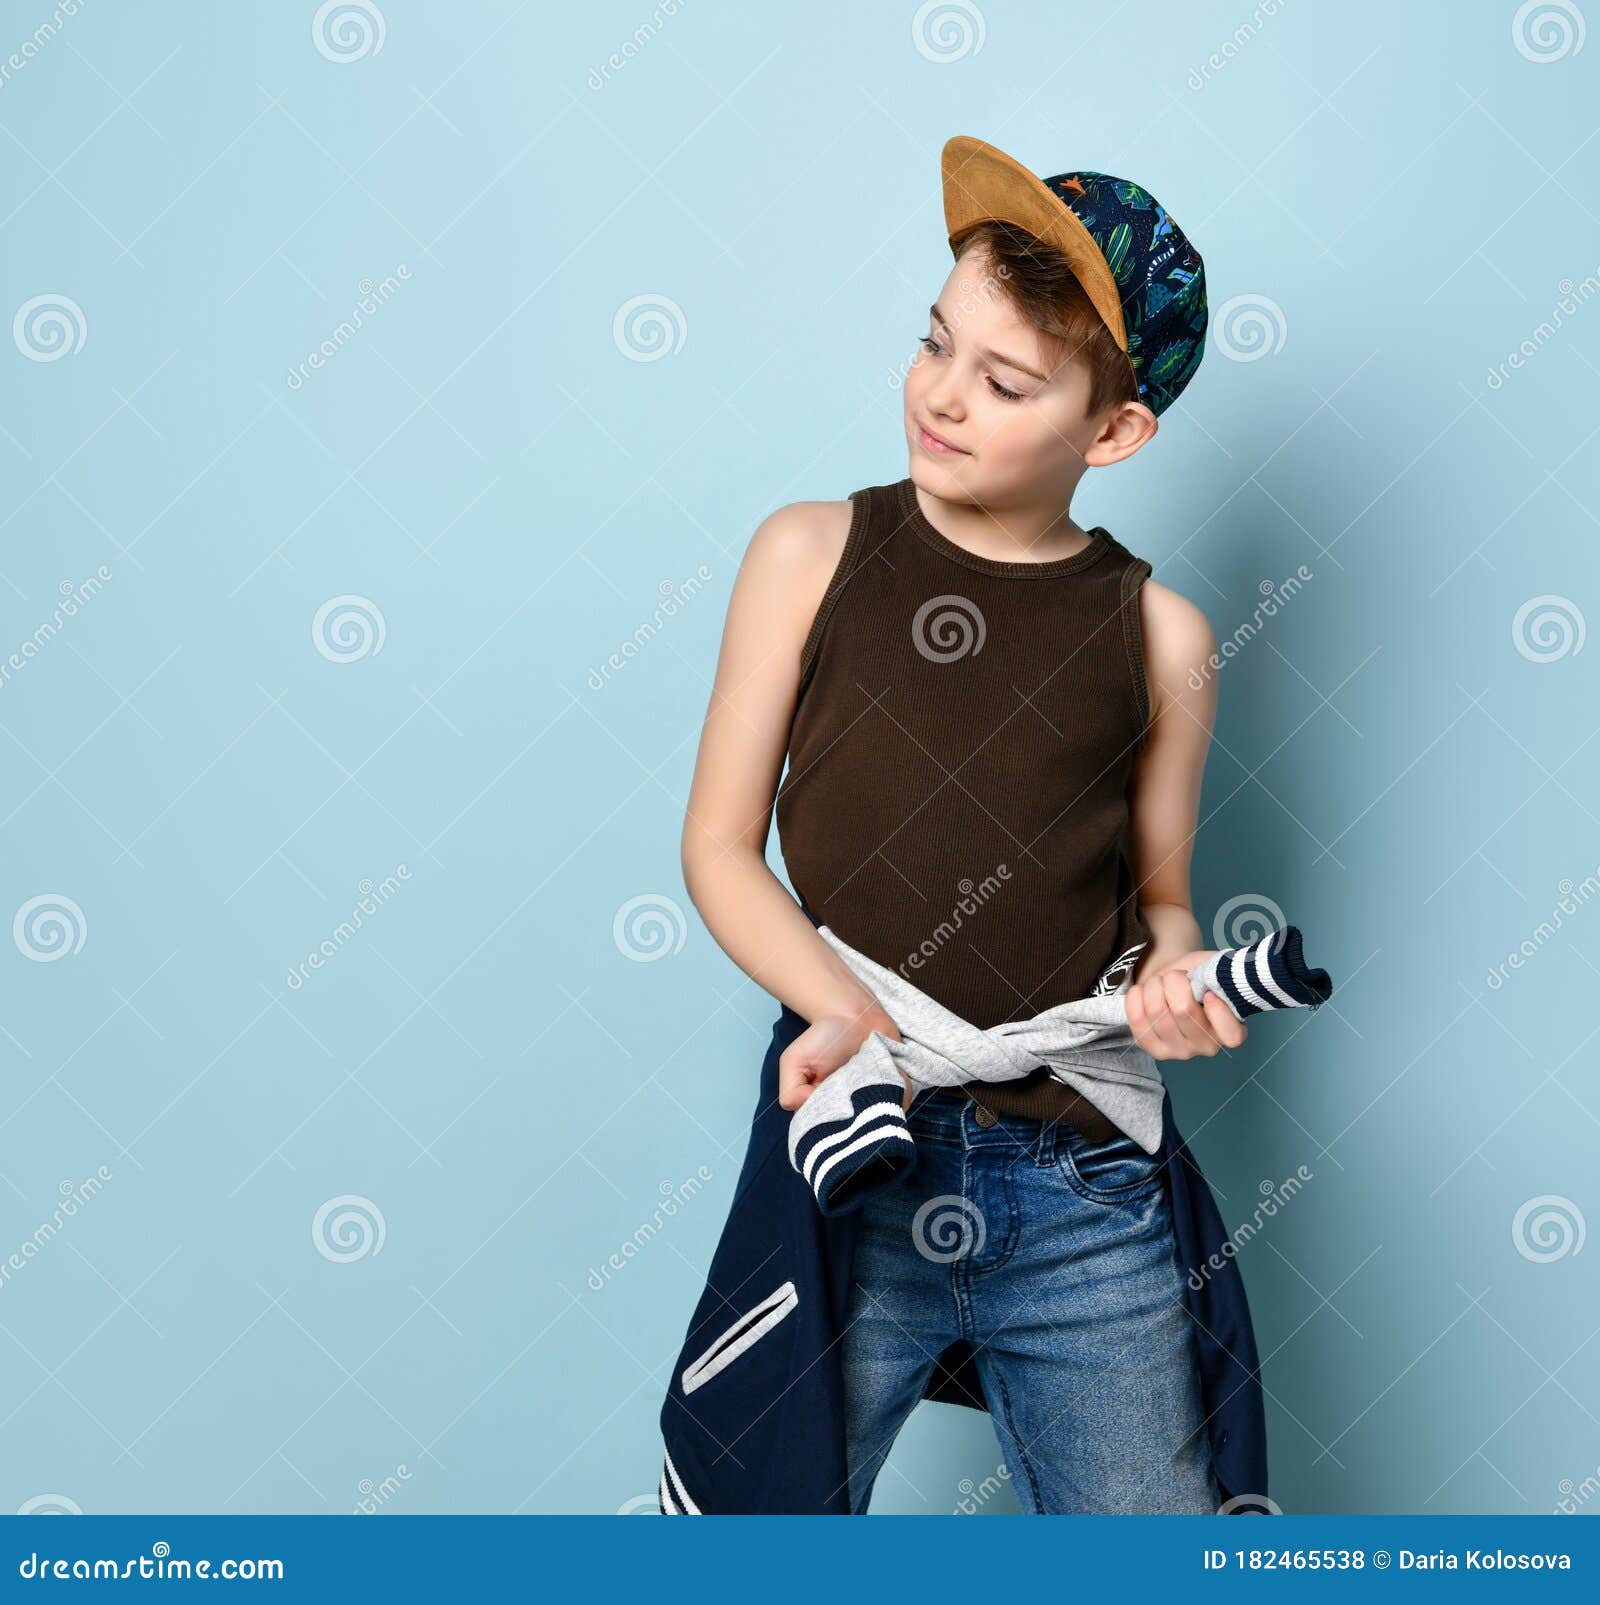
(755, 920)
(1166, 1018)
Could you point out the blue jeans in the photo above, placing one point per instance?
(1055, 1258)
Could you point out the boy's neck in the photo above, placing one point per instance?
(1043, 533)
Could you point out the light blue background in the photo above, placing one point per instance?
(1404, 186)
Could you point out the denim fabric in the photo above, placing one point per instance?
(1055, 1258)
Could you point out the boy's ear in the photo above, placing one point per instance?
(1123, 430)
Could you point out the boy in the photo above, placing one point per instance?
(996, 728)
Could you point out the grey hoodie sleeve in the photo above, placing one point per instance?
(850, 1136)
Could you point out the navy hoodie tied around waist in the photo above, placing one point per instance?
(754, 1419)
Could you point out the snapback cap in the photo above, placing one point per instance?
(1136, 265)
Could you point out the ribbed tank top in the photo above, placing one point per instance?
(956, 799)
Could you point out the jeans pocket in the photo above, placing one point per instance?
(1116, 1171)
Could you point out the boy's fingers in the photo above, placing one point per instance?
(1188, 1016)
(1229, 1028)
(1159, 1026)
(1139, 1021)
(795, 1082)
(1133, 998)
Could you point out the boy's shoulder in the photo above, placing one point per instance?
(1178, 637)
(801, 538)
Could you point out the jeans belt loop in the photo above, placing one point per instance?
(1045, 1153)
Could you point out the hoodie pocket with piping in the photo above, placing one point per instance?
(741, 1336)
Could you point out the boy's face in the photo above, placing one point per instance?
(984, 383)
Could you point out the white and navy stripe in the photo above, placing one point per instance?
(1269, 974)
(869, 1143)
(675, 1500)
(851, 1136)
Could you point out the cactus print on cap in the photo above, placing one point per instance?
(1159, 276)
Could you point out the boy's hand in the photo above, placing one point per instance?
(1169, 1022)
(822, 1047)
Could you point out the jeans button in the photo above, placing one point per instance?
(985, 1117)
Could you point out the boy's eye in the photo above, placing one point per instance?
(931, 346)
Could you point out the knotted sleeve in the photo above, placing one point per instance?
(850, 1136)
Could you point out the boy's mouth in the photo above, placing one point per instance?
(937, 444)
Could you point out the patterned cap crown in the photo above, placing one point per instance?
(1159, 276)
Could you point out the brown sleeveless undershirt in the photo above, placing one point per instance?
(956, 801)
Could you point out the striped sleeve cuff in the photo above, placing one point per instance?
(1269, 974)
(850, 1136)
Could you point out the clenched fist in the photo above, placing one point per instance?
(822, 1047)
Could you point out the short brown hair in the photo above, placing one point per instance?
(1035, 278)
